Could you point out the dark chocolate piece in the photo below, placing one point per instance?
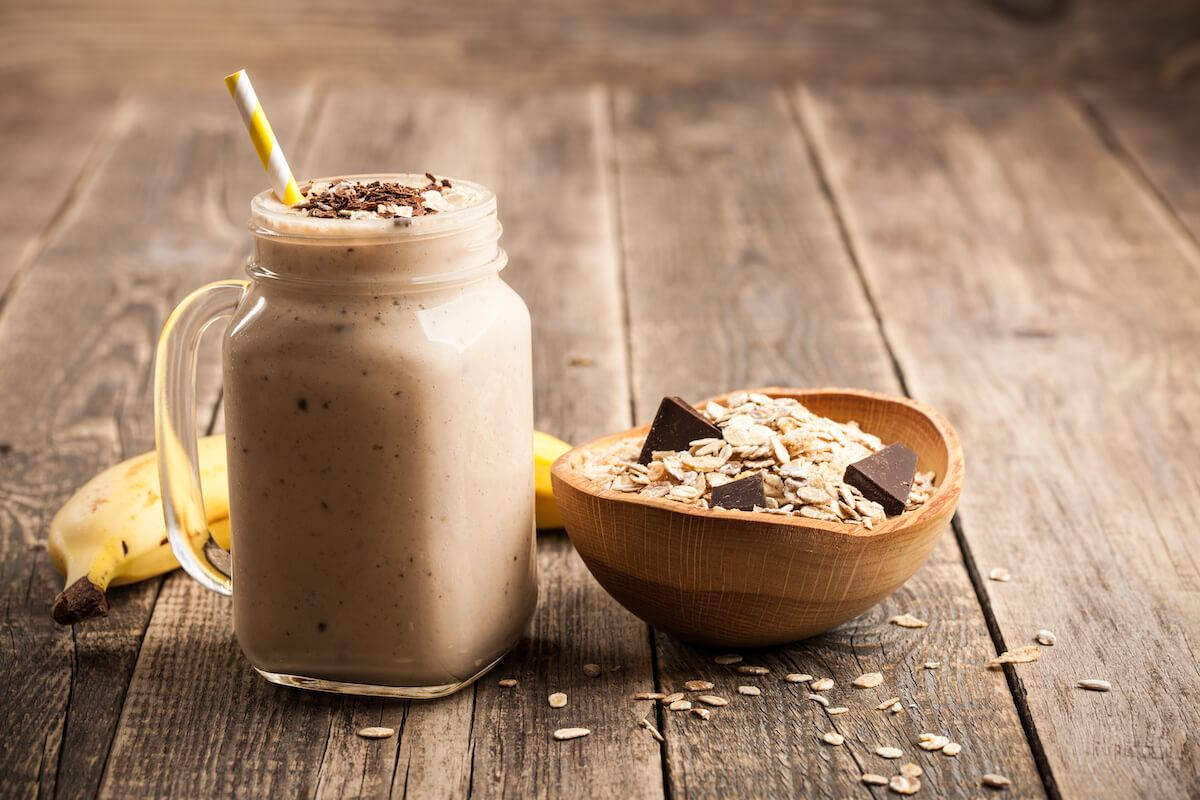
(743, 494)
(676, 426)
(885, 477)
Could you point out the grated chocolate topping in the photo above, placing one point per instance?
(380, 199)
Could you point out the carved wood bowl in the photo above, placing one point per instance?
(729, 578)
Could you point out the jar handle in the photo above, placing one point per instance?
(175, 426)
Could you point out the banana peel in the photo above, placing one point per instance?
(545, 450)
(111, 532)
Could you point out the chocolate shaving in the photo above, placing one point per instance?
(344, 197)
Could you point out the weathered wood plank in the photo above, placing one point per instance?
(1158, 130)
(487, 740)
(1032, 289)
(76, 344)
(46, 139)
(736, 276)
(551, 42)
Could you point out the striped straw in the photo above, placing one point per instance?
(269, 151)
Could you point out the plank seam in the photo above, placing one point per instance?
(1137, 173)
(67, 717)
(1016, 688)
(613, 170)
(470, 744)
(102, 146)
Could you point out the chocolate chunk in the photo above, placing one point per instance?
(675, 427)
(743, 494)
(885, 477)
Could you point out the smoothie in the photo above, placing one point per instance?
(378, 405)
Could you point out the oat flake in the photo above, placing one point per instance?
(902, 784)
(752, 691)
(869, 680)
(833, 738)
(889, 752)
(563, 734)
(908, 621)
(1021, 655)
(376, 733)
(821, 684)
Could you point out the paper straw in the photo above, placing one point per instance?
(269, 151)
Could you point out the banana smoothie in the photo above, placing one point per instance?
(379, 417)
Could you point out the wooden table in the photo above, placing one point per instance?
(1025, 260)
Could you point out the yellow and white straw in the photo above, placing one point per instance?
(269, 151)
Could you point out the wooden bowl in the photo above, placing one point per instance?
(743, 579)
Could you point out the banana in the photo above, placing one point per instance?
(112, 531)
(545, 450)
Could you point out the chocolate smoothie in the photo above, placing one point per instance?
(378, 406)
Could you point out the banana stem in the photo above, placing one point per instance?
(85, 597)
(79, 601)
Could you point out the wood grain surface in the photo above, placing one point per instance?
(551, 43)
(747, 283)
(1024, 261)
(46, 140)
(1157, 132)
(78, 338)
(1032, 287)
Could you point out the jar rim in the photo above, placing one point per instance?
(270, 218)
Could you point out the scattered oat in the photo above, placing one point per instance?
(797, 677)
(1000, 574)
(702, 713)
(557, 700)
(933, 664)
(712, 700)
(838, 710)
(886, 703)
(995, 781)
(1045, 637)
(649, 696)
(820, 698)
(728, 658)
(869, 681)
(1094, 685)
(753, 691)
(896, 708)
(680, 705)
(821, 684)
(1022, 655)
(952, 749)
(507, 683)
(563, 734)
(698, 686)
(591, 670)
(871, 779)
(889, 752)
(745, 670)
(932, 741)
(902, 784)
(911, 770)
(376, 733)
(648, 725)
(833, 738)
(671, 698)
(908, 621)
